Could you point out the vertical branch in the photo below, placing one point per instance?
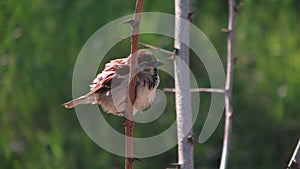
(295, 159)
(228, 87)
(182, 86)
(129, 124)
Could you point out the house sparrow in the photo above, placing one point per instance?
(110, 88)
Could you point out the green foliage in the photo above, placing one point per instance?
(39, 43)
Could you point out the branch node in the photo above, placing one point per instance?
(177, 165)
(176, 51)
(190, 139)
(190, 16)
(238, 7)
(135, 23)
(128, 21)
(132, 159)
(132, 22)
(139, 160)
(225, 30)
(235, 60)
(128, 123)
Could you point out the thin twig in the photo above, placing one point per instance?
(295, 159)
(228, 87)
(150, 46)
(209, 90)
(129, 123)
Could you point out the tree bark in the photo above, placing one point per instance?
(182, 86)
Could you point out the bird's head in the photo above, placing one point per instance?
(147, 60)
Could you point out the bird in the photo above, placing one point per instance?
(110, 87)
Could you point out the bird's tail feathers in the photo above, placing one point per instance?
(86, 99)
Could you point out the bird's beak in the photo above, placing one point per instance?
(158, 63)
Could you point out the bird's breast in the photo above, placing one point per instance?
(144, 97)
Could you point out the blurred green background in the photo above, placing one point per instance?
(40, 41)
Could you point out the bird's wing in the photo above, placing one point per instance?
(110, 67)
(113, 75)
(114, 63)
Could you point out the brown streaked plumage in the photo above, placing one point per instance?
(110, 88)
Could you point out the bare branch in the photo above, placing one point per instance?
(150, 46)
(129, 123)
(228, 87)
(182, 85)
(209, 90)
(295, 159)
